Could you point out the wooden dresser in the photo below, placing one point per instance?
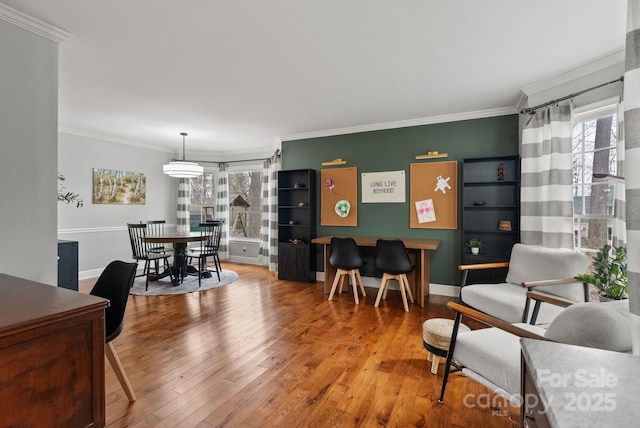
(51, 356)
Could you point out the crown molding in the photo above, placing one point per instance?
(568, 76)
(106, 138)
(403, 123)
(32, 24)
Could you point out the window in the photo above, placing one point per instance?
(245, 212)
(594, 147)
(203, 199)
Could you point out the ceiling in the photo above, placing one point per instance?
(240, 75)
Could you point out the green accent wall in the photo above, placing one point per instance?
(394, 150)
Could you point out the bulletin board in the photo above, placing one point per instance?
(339, 197)
(434, 185)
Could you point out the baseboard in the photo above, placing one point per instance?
(435, 289)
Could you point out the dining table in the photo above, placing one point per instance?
(179, 269)
(417, 248)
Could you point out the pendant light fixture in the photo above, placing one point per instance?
(182, 169)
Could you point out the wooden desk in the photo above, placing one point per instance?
(418, 250)
(51, 356)
(179, 240)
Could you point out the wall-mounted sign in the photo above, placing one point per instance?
(387, 186)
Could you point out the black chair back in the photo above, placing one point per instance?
(114, 284)
(155, 227)
(392, 257)
(345, 254)
(137, 234)
(213, 231)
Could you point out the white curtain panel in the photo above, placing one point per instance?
(632, 152)
(546, 195)
(222, 210)
(269, 231)
(182, 214)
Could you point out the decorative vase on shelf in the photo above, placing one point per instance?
(475, 250)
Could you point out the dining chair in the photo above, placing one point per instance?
(114, 284)
(140, 251)
(212, 231)
(393, 260)
(156, 228)
(346, 258)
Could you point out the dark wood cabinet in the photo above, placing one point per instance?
(51, 356)
(68, 264)
(296, 224)
(490, 208)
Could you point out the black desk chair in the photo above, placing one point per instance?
(114, 284)
(393, 260)
(346, 258)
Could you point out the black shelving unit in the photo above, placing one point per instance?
(489, 198)
(296, 224)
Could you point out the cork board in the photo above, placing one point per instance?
(339, 197)
(434, 187)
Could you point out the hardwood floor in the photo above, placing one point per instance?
(267, 353)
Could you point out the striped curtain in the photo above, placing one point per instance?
(619, 229)
(269, 232)
(182, 215)
(222, 209)
(632, 156)
(546, 196)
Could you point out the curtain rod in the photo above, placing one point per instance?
(531, 110)
(277, 153)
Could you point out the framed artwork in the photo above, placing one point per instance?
(113, 186)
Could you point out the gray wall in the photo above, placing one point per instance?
(101, 229)
(28, 135)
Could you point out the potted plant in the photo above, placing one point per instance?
(474, 244)
(609, 275)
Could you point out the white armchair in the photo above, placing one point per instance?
(491, 356)
(530, 267)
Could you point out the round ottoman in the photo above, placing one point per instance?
(436, 335)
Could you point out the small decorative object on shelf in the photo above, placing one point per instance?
(504, 225)
(296, 241)
(301, 204)
(292, 222)
(475, 244)
(479, 203)
(298, 186)
(501, 172)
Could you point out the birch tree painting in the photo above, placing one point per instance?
(111, 186)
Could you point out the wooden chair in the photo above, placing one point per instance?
(114, 284)
(531, 267)
(346, 258)
(140, 251)
(491, 356)
(393, 260)
(212, 231)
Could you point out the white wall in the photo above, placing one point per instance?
(28, 141)
(101, 230)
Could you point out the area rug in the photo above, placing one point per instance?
(189, 285)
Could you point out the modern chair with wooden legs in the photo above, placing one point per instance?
(345, 257)
(393, 260)
(114, 284)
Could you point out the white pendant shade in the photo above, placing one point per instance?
(182, 169)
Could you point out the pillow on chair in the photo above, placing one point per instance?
(595, 325)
